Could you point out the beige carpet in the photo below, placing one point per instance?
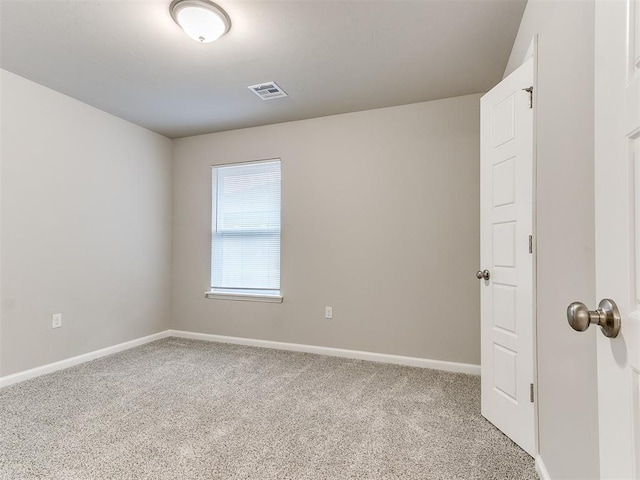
(184, 409)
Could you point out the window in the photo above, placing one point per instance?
(245, 231)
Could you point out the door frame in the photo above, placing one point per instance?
(533, 49)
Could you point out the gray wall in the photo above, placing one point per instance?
(86, 220)
(568, 425)
(380, 220)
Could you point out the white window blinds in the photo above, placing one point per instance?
(245, 247)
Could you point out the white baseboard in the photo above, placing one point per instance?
(294, 347)
(70, 362)
(334, 352)
(541, 469)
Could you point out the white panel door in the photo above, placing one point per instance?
(617, 196)
(506, 222)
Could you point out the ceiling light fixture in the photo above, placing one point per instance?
(202, 20)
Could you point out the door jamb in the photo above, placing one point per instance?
(533, 48)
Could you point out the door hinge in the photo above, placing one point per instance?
(530, 91)
(530, 243)
(531, 392)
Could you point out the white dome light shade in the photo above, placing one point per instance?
(201, 20)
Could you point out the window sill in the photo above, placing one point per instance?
(244, 297)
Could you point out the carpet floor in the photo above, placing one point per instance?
(186, 409)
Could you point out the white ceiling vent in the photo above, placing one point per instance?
(268, 90)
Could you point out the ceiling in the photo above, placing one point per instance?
(128, 57)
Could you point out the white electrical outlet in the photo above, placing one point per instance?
(56, 320)
(328, 312)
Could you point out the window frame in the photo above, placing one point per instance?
(231, 294)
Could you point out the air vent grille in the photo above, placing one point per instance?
(268, 90)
